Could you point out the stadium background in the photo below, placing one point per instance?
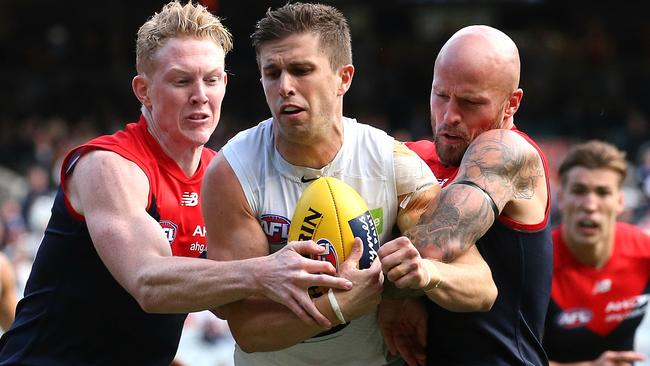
(66, 70)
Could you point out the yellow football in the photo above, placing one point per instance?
(331, 213)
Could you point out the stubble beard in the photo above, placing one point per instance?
(450, 155)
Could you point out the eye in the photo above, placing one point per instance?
(578, 190)
(603, 192)
(215, 79)
(469, 102)
(301, 71)
(441, 95)
(271, 74)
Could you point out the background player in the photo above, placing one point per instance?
(601, 267)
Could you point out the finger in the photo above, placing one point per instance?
(305, 248)
(355, 254)
(405, 350)
(387, 249)
(312, 311)
(627, 356)
(300, 312)
(397, 273)
(329, 281)
(388, 263)
(318, 266)
(390, 341)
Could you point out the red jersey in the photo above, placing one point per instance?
(74, 312)
(594, 310)
(174, 199)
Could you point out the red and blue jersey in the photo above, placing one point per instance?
(520, 258)
(593, 310)
(74, 312)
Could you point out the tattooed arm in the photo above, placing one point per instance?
(509, 170)
(464, 284)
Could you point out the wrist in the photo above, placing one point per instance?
(335, 306)
(435, 280)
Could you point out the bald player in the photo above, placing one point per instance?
(495, 195)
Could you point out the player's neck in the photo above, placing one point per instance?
(596, 255)
(187, 158)
(311, 154)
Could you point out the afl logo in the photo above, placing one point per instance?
(573, 318)
(275, 227)
(169, 229)
(329, 254)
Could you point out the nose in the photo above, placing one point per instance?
(285, 85)
(452, 114)
(199, 95)
(589, 202)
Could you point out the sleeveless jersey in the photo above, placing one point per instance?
(273, 186)
(74, 312)
(595, 310)
(520, 258)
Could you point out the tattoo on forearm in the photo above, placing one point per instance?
(450, 227)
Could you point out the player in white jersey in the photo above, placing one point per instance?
(251, 188)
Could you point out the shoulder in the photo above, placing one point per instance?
(103, 179)
(632, 240)
(249, 142)
(506, 150)
(506, 139)
(363, 130)
(256, 132)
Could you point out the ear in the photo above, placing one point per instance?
(560, 198)
(513, 103)
(140, 87)
(620, 201)
(346, 72)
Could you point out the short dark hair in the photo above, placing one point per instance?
(594, 155)
(325, 21)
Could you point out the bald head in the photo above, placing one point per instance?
(482, 52)
(475, 89)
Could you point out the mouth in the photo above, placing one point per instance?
(451, 138)
(587, 226)
(290, 109)
(198, 117)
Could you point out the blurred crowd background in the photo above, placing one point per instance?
(67, 68)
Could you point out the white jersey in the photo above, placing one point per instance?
(273, 186)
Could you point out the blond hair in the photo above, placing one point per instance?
(177, 20)
(595, 155)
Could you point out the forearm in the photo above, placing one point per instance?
(461, 287)
(452, 224)
(584, 363)
(261, 325)
(181, 285)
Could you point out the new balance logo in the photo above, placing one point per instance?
(602, 286)
(190, 199)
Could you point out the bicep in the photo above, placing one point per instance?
(505, 165)
(233, 231)
(112, 194)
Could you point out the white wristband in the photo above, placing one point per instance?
(335, 306)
